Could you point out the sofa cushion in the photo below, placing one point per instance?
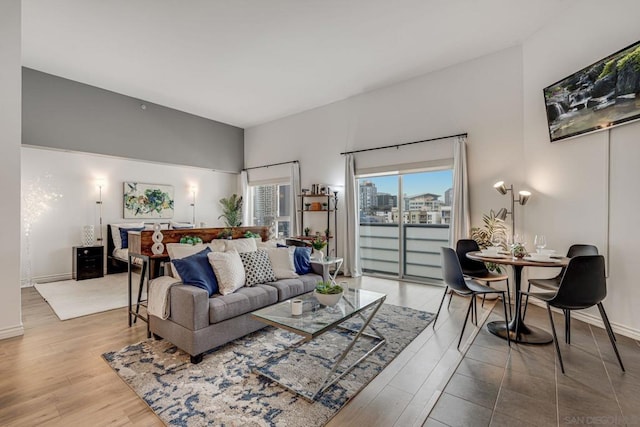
(282, 262)
(229, 270)
(242, 301)
(197, 271)
(289, 288)
(241, 245)
(257, 267)
(310, 281)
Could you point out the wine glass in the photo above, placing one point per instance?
(540, 242)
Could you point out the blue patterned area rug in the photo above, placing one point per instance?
(223, 390)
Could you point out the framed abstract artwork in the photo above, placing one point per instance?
(148, 200)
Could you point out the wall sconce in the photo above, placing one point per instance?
(100, 183)
(523, 198)
(193, 204)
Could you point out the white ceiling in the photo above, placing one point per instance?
(246, 62)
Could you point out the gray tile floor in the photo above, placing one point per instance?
(493, 386)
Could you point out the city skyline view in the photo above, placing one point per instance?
(436, 182)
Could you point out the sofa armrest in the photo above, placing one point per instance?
(190, 307)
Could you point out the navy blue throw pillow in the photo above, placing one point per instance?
(302, 260)
(124, 235)
(196, 270)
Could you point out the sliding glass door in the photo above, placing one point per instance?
(404, 220)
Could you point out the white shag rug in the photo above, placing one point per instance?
(76, 298)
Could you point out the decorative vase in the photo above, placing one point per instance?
(317, 255)
(328, 299)
(88, 235)
(158, 247)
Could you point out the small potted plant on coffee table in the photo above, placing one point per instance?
(328, 293)
(307, 230)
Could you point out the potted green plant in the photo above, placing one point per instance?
(191, 240)
(328, 293)
(227, 233)
(307, 230)
(325, 206)
(318, 245)
(232, 210)
(493, 231)
(307, 206)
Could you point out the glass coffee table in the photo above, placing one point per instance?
(314, 321)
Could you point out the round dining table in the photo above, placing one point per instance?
(517, 330)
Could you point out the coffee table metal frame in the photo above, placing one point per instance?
(377, 299)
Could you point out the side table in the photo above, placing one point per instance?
(326, 264)
(88, 262)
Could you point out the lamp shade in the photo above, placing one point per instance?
(524, 197)
(502, 214)
(500, 187)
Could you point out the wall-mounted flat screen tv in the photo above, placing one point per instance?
(600, 96)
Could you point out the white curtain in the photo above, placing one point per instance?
(460, 217)
(295, 199)
(352, 244)
(246, 210)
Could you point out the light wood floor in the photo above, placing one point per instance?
(54, 375)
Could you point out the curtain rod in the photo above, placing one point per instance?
(272, 164)
(404, 143)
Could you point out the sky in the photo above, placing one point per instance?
(416, 183)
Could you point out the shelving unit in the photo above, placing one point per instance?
(332, 208)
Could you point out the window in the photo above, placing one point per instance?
(271, 206)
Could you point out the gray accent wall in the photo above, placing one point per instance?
(64, 114)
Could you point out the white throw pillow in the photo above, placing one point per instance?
(115, 232)
(282, 262)
(217, 245)
(228, 269)
(241, 245)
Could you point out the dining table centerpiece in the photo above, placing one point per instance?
(518, 250)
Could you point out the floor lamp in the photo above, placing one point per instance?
(523, 198)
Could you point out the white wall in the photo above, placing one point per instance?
(10, 87)
(74, 177)
(569, 179)
(482, 97)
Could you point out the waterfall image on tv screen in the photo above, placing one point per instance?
(600, 96)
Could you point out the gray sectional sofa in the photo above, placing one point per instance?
(198, 323)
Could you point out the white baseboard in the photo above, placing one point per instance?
(45, 279)
(11, 332)
(596, 321)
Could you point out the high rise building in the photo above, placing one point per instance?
(368, 196)
(448, 197)
(265, 204)
(386, 201)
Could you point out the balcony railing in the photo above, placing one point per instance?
(379, 249)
